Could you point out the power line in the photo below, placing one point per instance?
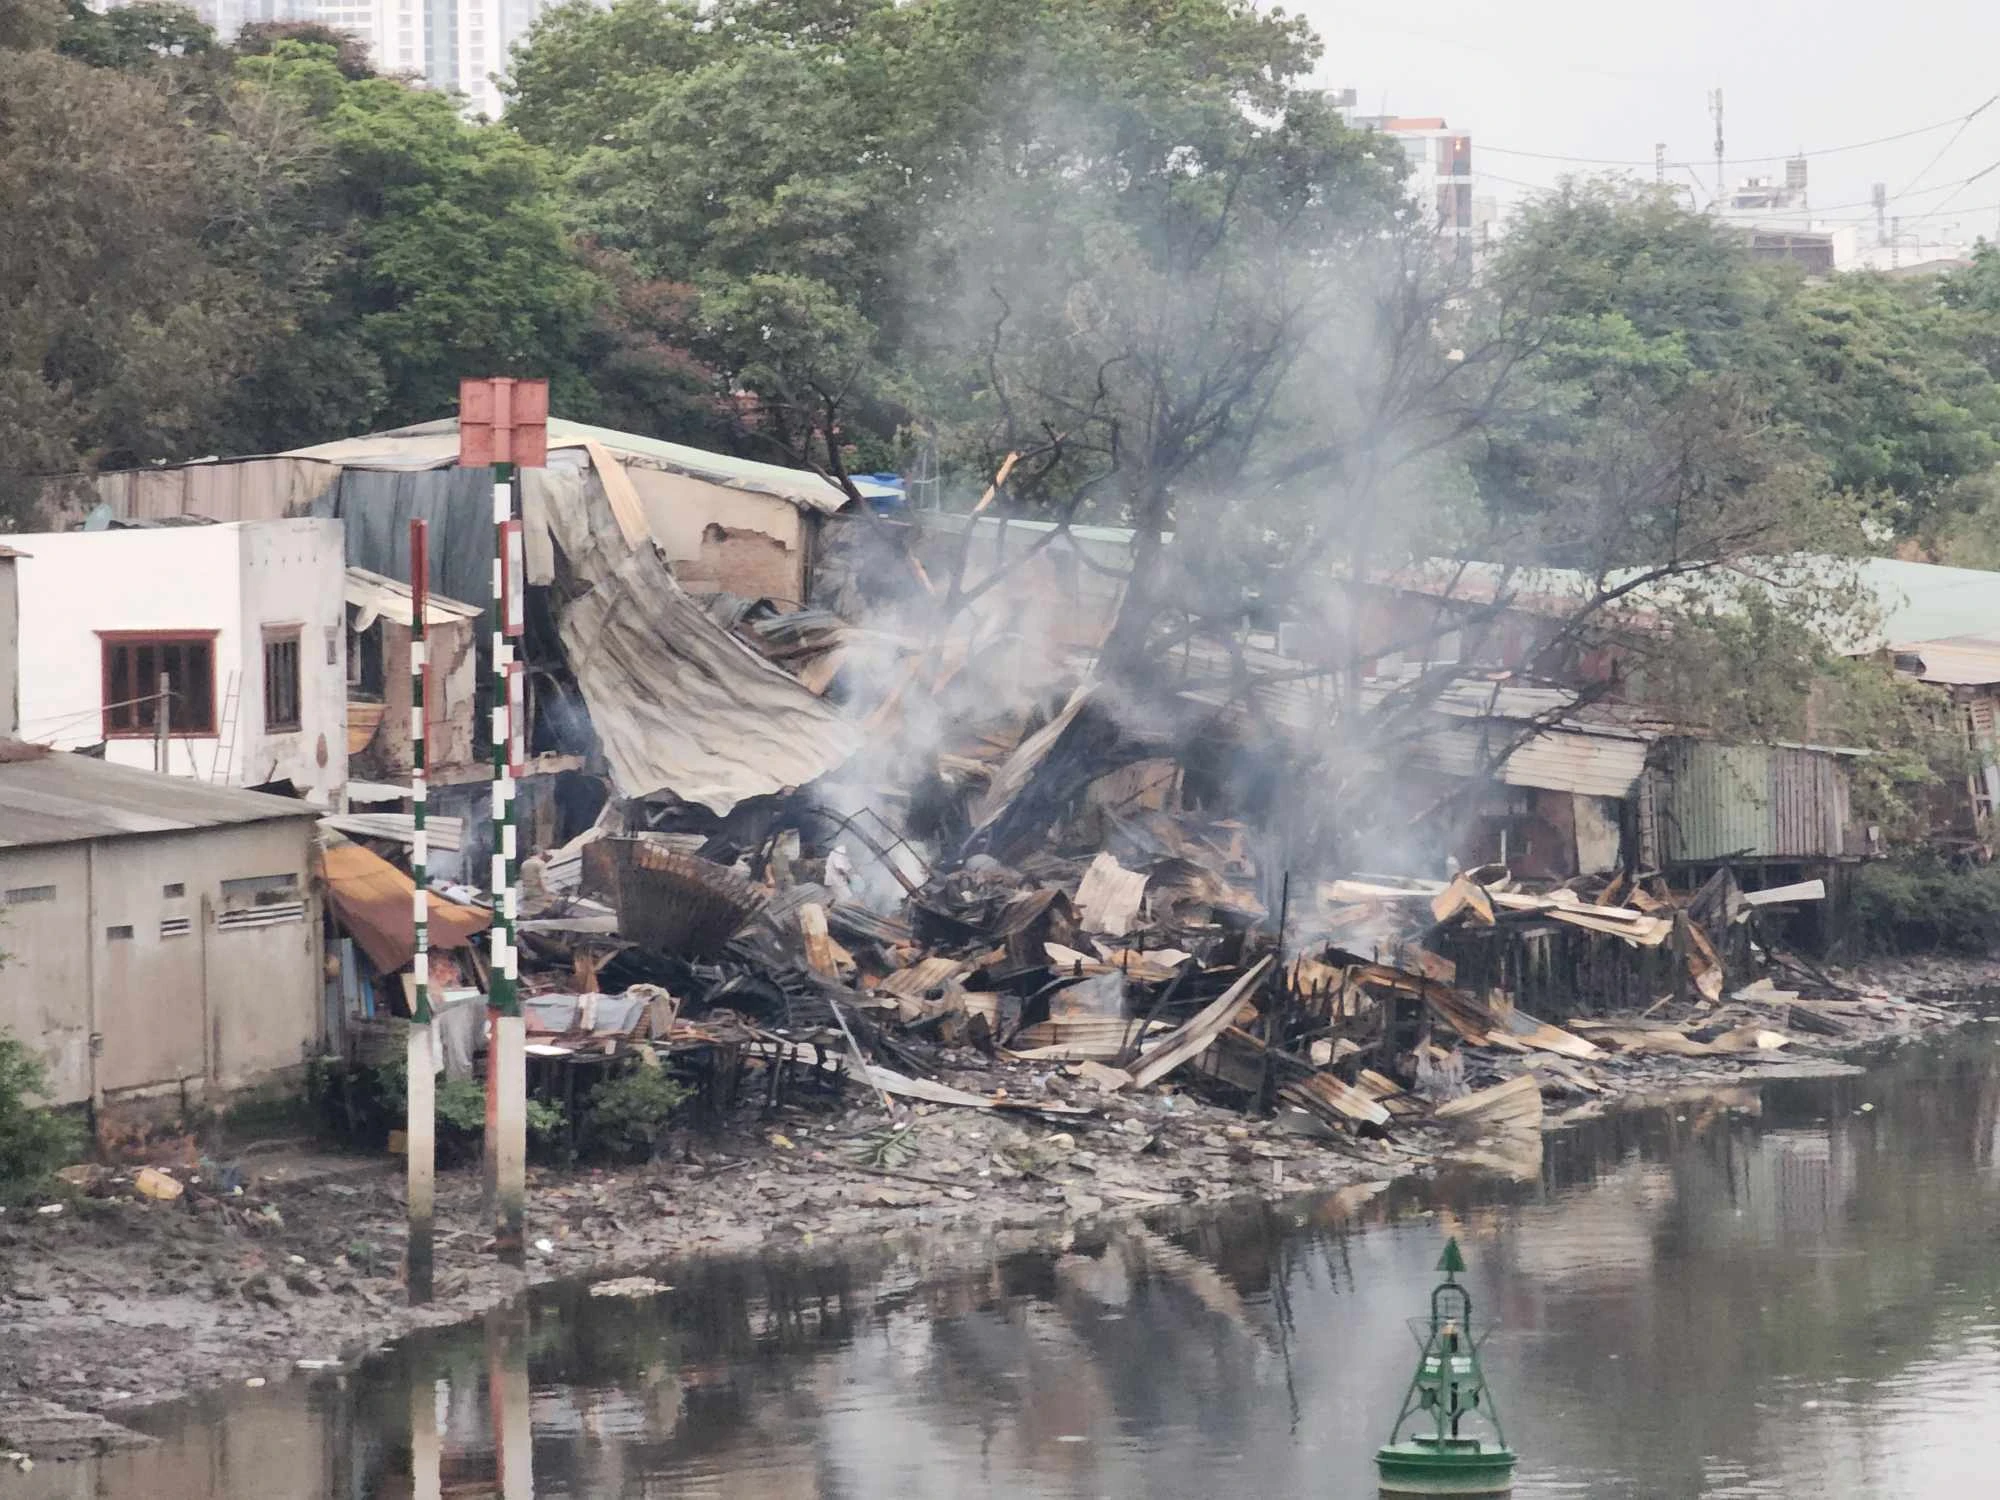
(1963, 126)
(1746, 161)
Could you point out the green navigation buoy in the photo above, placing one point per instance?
(1447, 1391)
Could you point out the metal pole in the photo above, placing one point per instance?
(161, 716)
(420, 1126)
(506, 1056)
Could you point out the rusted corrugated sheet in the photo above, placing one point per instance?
(375, 905)
(1751, 801)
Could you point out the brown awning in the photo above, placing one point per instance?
(372, 902)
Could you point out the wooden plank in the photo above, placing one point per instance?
(1513, 1105)
(1804, 890)
(1194, 1038)
(1462, 896)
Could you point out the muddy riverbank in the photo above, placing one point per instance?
(116, 1301)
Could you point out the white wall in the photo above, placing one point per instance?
(10, 650)
(234, 580)
(295, 573)
(74, 584)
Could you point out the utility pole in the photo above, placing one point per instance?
(162, 725)
(420, 1126)
(1715, 109)
(1881, 197)
(503, 424)
(1660, 163)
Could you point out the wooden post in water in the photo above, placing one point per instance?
(426, 1452)
(420, 1125)
(504, 423)
(509, 1398)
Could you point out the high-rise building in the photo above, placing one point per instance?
(453, 45)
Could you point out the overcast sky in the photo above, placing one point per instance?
(1585, 78)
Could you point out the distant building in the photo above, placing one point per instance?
(452, 45)
(1777, 221)
(1440, 161)
(246, 622)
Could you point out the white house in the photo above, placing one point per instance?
(246, 621)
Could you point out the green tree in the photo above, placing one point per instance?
(119, 331)
(1630, 298)
(134, 36)
(436, 246)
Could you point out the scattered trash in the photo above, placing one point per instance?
(159, 1186)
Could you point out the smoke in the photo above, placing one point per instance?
(1258, 384)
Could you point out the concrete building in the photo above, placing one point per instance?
(246, 621)
(1776, 218)
(163, 938)
(1440, 158)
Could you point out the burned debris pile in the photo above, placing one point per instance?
(903, 843)
(787, 952)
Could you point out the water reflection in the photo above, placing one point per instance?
(1776, 1295)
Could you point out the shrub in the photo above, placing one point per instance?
(34, 1140)
(627, 1115)
(1926, 906)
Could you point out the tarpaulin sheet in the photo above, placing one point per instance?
(372, 902)
(376, 509)
(683, 707)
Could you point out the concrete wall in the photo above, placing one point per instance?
(232, 580)
(10, 649)
(723, 539)
(294, 574)
(45, 980)
(187, 986)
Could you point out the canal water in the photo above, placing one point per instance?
(1791, 1290)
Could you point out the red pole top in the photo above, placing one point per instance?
(420, 572)
(503, 421)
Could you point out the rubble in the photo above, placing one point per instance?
(992, 894)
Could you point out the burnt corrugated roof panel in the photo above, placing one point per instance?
(60, 798)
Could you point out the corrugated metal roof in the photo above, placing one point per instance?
(681, 705)
(1962, 661)
(59, 798)
(379, 597)
(1925, 602)
(1561, 760)
(434, 445)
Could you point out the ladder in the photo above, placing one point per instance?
(225, 744)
